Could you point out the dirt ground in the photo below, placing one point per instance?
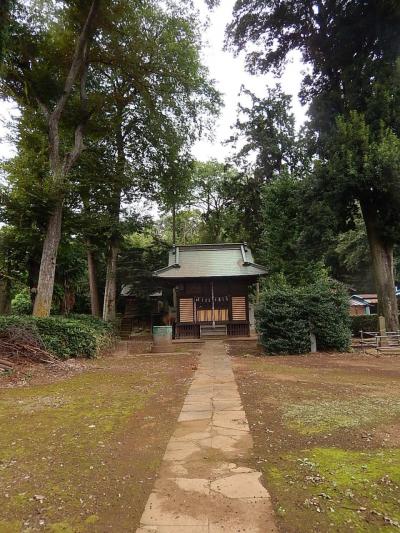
(81, 443)
(326, 431)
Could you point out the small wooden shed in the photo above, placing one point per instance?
(210, 284)
(359, 306)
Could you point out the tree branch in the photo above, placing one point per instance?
(78, 60)
(43, 108)
(73, 156)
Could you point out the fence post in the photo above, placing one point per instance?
(313, 341)
(382, 331)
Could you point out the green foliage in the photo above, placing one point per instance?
(21, 304)
(364, 166)
(267, 127)
(352, 247)
(288, 244)
(214, 193)
(188, 225)
(77, 336)
(348, 45)
(328, 306)
(4, 12)
(281, 321)
(66, 337)
(287, 315)
(141, 255)
(364, 323)
(149, 97)
(267, 149)
(352, 49)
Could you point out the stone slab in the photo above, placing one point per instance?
(204, 483)
(240, 485)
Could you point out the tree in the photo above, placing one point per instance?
(365, 167)
(286, 247)
(5, 275)
(212, 195)
(142, 253)
(287, 315)
(35, 77)
(142, 69)
(353, 258)
(188, 227)
(266, 131)
(174, 188)
(4, 21)
(353, 50)
(160, 98)
(267, 147)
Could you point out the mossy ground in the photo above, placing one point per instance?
(80, 454)
(327, 437)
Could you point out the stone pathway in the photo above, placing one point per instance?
(205, 484)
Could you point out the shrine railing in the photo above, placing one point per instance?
(187, 331)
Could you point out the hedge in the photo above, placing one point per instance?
(65, 337)
(287, 315)
(364, 323)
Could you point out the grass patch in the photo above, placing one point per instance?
(344, 490)
(53, 444)
(312, 417)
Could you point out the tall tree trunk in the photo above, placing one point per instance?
(47, 270)
(174, 224)
(93, 288)
(383, 267)
(5, 295)
(68, 301)
(61, 166)
(110, 291)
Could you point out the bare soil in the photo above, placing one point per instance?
(326, 431)
(81, 442)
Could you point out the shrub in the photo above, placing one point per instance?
(328, 305)
(66, 337)
(22, 322)
(281, 323)
(287, 315)
(22, 303)
(364, 322)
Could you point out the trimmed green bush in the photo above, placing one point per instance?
(21, 304)
(287, 315)
(20, 322)
(364, 323)
(66, 337)
(281, 322)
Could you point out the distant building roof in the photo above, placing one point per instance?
(210, 261)
(356, 299)
(370, 298)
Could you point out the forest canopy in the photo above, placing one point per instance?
(113, 94)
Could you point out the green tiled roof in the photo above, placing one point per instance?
(210, 261)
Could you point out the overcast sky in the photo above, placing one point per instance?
(229, 73)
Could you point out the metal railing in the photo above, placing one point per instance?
(238, 330)
(185, 331)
